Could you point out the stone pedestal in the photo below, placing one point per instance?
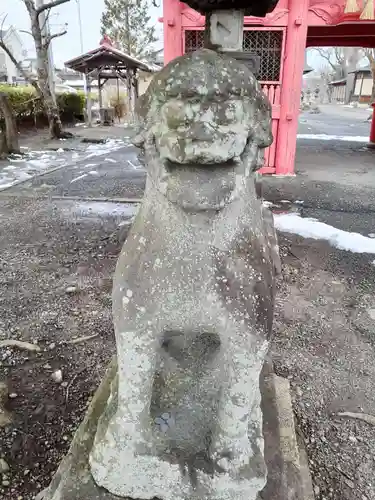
(193, 300)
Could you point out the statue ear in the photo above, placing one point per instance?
(139, 139)
(141, 111)
(262, 133)
(262, 122)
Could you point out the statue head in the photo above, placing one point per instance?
(204, 109)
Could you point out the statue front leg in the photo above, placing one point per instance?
(233, 448)
(123, 460)
(129, 405)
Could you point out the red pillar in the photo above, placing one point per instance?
(372, 130)
(172, 30)
(291, 86)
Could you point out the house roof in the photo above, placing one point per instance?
(364, 69)
(336, 83)
(107, 57)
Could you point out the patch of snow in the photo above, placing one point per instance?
(110, 160)
(78, 178)
(312, 228)
(16, 160)
(105, 208)
(35, 162)
(132, 165)
(5, 185)
(23, 176)
(93, 172)
(267, 204)
(326, 137)
(299, 202)
(102, 149)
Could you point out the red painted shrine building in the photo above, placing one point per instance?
(280, 40)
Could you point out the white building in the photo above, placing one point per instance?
(8, 70)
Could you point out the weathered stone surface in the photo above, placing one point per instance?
(193, 294)
(192, 302)
(224, 29)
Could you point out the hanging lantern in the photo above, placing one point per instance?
(351, 6)
(369, 11)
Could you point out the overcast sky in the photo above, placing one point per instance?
(68, 46)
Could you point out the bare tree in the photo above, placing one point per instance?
(343, 61)
(370, 54)
(9, 134)
(328, 54)
(42, 43)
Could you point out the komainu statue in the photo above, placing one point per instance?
(178, 417)
(193, 294)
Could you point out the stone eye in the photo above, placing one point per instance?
(176, 115)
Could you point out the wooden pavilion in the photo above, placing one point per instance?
(105, 63)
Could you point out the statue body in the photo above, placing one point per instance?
(193, 294)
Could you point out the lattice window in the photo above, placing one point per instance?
(194, 40)
(265, 44)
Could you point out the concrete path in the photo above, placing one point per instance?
(336, 120)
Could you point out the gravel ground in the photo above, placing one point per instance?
(324, 342)
(55, 288)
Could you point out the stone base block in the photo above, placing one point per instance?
(288, 476)
(288, 473)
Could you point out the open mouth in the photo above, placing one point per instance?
(229, 164)
(201, 188)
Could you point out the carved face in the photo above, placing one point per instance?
(207, 132)
(203, 123)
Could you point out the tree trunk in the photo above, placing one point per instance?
(9, 142)
(49, 100)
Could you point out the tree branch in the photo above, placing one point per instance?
(370, 54)
(55, 35)
(325, 56)
(46, 21)
(25, 31)
(19, 67)
(50, 5)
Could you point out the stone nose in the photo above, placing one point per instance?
(200, 131)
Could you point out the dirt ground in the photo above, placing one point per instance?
(324, 339)
(52, 291)
(55, 288)
(38, 139)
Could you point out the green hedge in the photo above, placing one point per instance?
(27, 105)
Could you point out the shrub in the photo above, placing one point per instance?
(28, 107)
(24, 100)
(71, 105)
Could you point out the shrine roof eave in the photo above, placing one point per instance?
(107, 57)
(337, 83)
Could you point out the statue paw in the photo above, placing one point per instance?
(234, 455)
